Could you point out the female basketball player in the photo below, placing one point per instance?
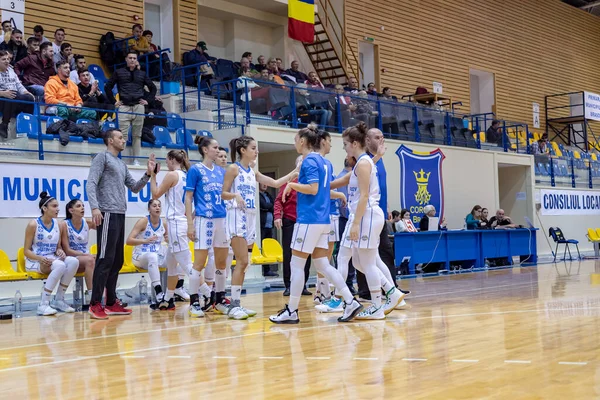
(44, 254)
(205, 212)
(311, 230)
(179, 257)
(149, 253)
(74, 231)
(240, 185)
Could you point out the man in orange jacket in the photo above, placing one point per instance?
(63, 92)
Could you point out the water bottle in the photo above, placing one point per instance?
(77, 301)
(18, 303)
(143, 288)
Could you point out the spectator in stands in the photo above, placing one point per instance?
(391, 223)
(139, 42)
(365, 110)
(540, 146)
(347, 108)
(352, 87)
(304, 106)
(294, 72)
(80, 64)
(36, 69)
(248, 55)
(197, 56)
(11, 88)
(165, 62)
(387, 94)
(15, 46)
(473, 219)
(313, 81)
(494, 133)
(64, 93)
(266, 221)
(501, 221)
(371, 90)
(280, 69)
(272, 66)
(59, 38)
(6, 31)
(269, 76)
(261, 64)
(389, 112)
(66, 54)
(429, 212)
(131, 81)
(33, 46)
(38, 33)
(246, 68)
(91, 94)
(401, 225)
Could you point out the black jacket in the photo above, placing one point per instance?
(131, 86)
(19, 52)
(265, 207)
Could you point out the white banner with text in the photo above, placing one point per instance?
(569, 202)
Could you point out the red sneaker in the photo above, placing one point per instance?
(117, 309)
(97, 311)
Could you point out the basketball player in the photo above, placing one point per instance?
(311, 230)
(44, 255)
(240, 185)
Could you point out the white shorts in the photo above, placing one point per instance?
(370, 229)
(141, 260)
(307, 237)
(177, 232)
(34, 266)
(210, 232)
(242, 223)
(334, 228)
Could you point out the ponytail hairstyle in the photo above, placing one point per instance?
(181, 157)
(311, 135)
(357, 133)
(70, 205)
(45, 199)
(152, 202)
(202, 142)
(323, 135)
(237, 144)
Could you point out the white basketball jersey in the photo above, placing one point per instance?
(245, 185)
(155, 246)
(45, 240)
(175, 198)
(354, 192)
(78, 240)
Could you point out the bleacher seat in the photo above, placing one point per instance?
(174, 122)
(272, 249)
(205, 133)
(96, 70)
(53, 119)
(27, 124)
(21, 266)
(7, 273)
(163, 138)
(189, 137)
(258, 258)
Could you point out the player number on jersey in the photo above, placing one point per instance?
(326, 176)
(250, 203)
(218, 199)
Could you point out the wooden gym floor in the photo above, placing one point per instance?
(525, 333)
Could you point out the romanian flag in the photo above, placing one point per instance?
(301, 20)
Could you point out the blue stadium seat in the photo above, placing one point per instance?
(189, 136)
(97, 71)
(174, 122)
(27, 124)
(90, 139)
(542, 169)
(163, 138)
(205, 133)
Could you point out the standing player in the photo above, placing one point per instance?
(240, 185)
(311, 230)
(207, 228)
(179, 258)
(44, 255)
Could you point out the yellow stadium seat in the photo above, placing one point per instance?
(511, 134)
(128, 267)
(94, 249)
(21, 266)
(7, 273)
(593, 236)
(537, 136)
(598, 232)
(258, 258)
(271, 248)
(594, 157)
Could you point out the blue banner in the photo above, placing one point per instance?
(421, 181)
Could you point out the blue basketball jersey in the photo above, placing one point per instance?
(334, 206)
(207, 185)
(314, 209)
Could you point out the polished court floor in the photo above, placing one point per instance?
(524, 333)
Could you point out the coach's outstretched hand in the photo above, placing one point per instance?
(151, 164)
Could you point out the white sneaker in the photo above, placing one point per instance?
(181, 292)
(222, 308)
(60, 305)
(251, 313)
(372, 312)
(320, 299)
(402, 306)
(236, 312)
(285, 316)
(195, 311)
(45, 309)
(350, 311)
(332, 305)
(392, 299)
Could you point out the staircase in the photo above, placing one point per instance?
(328, 51)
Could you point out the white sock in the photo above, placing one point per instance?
(169, 294)
(236, 292)
(209, 270)
(195, 279)
(296, 281)
(60, 292)
(46, 296)
(323, 267)
(385, 284)
(204, 290)
(220, 280)
(323, 287)
(57, 270)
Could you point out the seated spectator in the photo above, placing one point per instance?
(365, 110)
(391, 223)
(272, 66)
(313, 81)
(80, 64)
(36, 69)
(371, 90)
(245, 83)
(389, 112)
(64, 93)
(294, 72)
(15, 46)
(248, 55)
(131, 81)
(193, 57)
(304, 105)
(403, 221)
(33, 46)
(155, 65)
(429, 211)
(59, 38)
(484, 218)
(245, 68)
(280, 69)
(6, 31)
(38, 33)
(91, 95)
(272, 73)
(501, 221)
(473, 219)
(66, 54)
(386, 95)
(138, 43)
(11, 88)
(262, 64)
(494, 133)
(347, 108)
(540, 146)
(352, 87)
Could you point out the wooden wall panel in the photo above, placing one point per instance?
(534, 47)
(185, 26)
